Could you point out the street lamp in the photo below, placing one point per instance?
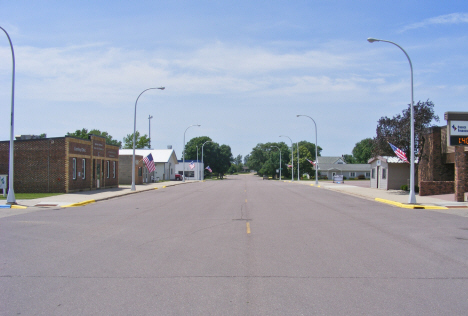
(11, 193)
(183, 166)
(149, 131)
(297, 144)
(292, 158)
(134, 132)
(316, 157)
(412, 197)
(203, 173)
(280, 159)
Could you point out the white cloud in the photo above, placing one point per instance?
(453, 18)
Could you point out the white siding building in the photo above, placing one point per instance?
(191, 174)
(331, 166)
(165, 161)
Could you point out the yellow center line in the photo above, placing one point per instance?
(245, 200)
(248, 228)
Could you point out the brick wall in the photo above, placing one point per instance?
(46, 165)
(432, 165)
(38, 163)
(125, 169)
(436, 187)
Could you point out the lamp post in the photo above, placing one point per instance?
(134, 132)
(149, 131)
(183, 166)
(280, 159)
(412, 197)
(292, 158)
(203, 173)
(297, 161)
(11, 192)
(316, 146)
(198, 175)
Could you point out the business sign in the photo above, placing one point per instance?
(458, 133)
(338, 178)
(3, 181)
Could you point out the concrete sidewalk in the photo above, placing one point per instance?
(397, 198)
(86, 197)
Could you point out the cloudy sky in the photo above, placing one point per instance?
(242, 69)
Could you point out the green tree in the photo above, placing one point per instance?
(305, 154)
(266, 154)
(219, 158)
(362, 151)
(140, 141)
(396, 130)
(246, 160)
(349, 159)
(84, 134)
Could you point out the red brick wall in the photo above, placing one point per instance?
(436, 187)
(38, 163)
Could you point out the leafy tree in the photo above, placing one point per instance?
(362, 151)
(84, 134)
(397, 130)
(311, 148)
(265, 159)
(219, 158)
(246, 160)
(140, 141)
(349, 159)
(305, 153)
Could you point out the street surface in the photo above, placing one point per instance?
(242, 246)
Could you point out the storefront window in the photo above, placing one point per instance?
(74, 168)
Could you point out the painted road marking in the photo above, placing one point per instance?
(248, 228)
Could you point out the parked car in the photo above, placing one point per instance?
(178, 177)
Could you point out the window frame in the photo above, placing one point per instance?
(83, 168)
(74, 168)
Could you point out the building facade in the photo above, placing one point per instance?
(193, 169)
(389, 173)
(61, 164)
(331, 166)
(165, 162)
(442, 167)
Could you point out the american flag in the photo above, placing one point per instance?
(400, 154)
(289, 166)
(192, 165)
(313, 163)
(149, 163)
(209, 169)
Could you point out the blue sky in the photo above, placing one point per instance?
(241, 69)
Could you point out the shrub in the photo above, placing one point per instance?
(361, 177)
(404, 187)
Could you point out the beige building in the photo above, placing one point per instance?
(389, 173)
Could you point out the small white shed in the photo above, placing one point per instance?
(389, 173)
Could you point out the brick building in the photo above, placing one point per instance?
(61, 164)
(442, 167)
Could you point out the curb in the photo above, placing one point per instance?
(411, 206)
(80, 203)
(13, 206)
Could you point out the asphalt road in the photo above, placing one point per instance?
(242, 246)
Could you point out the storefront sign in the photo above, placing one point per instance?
(458, 135)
